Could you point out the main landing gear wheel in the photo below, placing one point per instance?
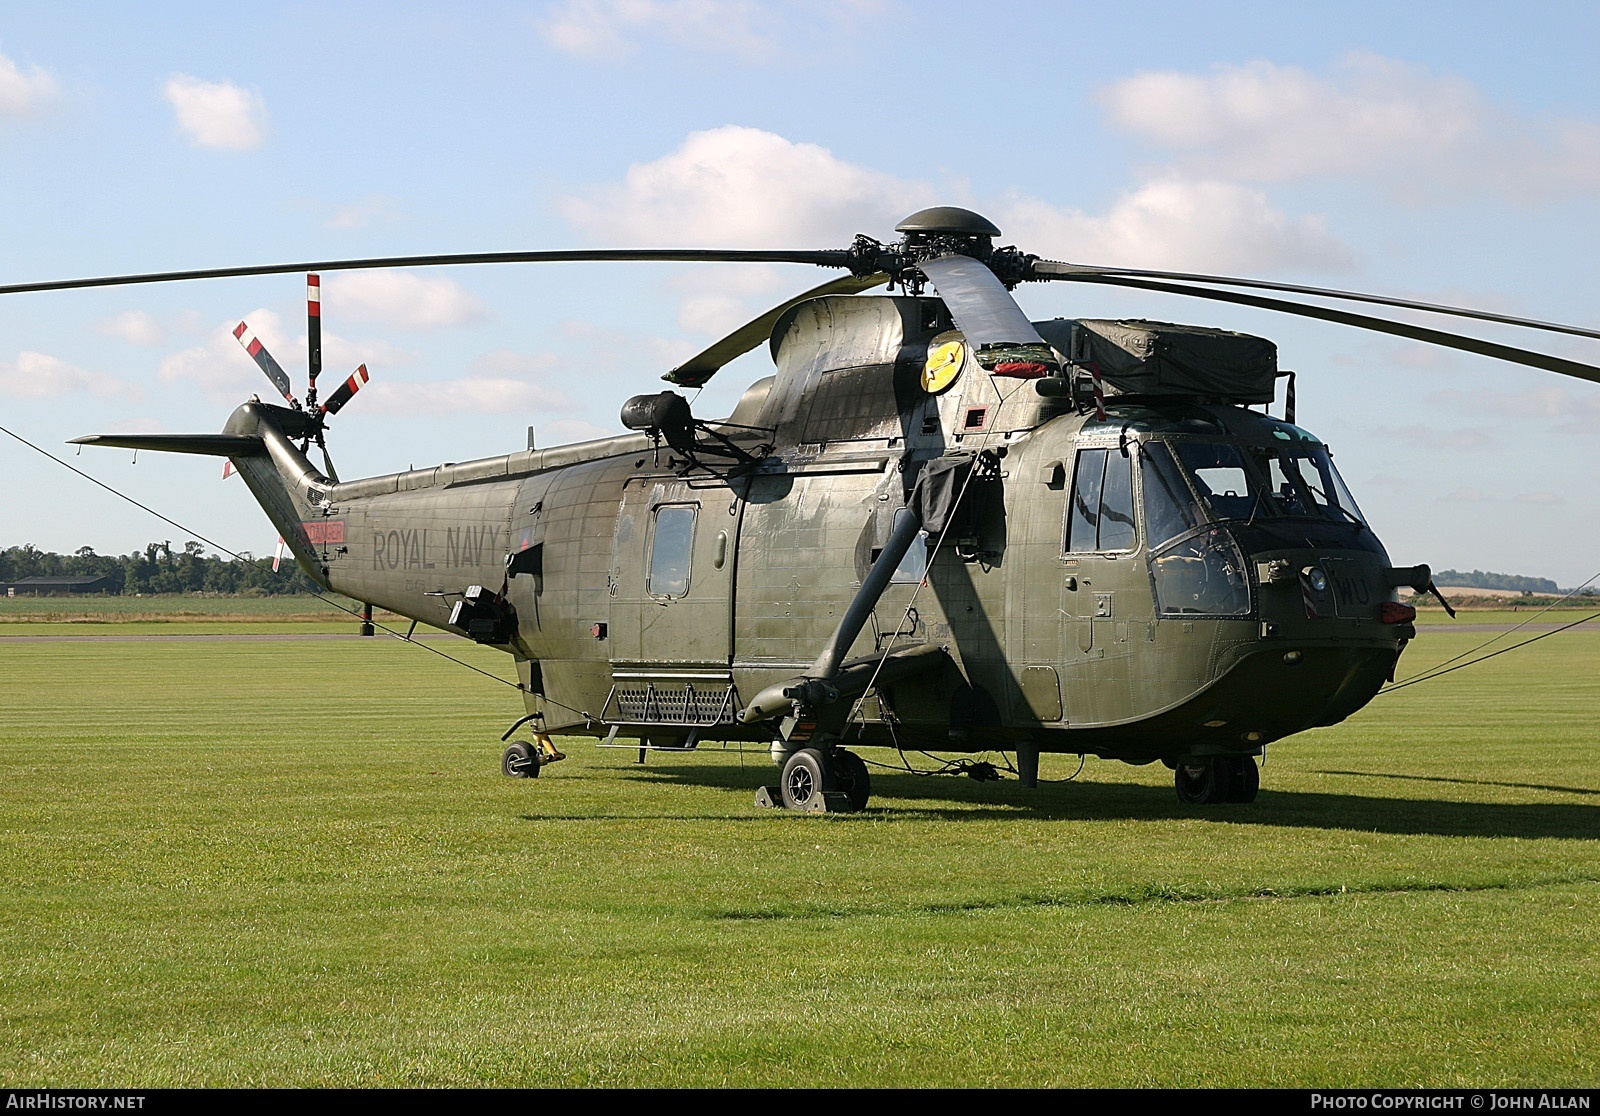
(1201, 784)
(851, 772)
(1246, 779)
(806, 775)
(520, 760)
(1224, 779)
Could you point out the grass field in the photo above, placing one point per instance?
(295, 862)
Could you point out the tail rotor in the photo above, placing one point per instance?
(318, 414)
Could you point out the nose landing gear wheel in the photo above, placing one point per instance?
(806, 775)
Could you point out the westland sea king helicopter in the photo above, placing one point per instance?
(937, 525)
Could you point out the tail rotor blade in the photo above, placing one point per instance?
(258, 353)
(313, 333)
(346, 391)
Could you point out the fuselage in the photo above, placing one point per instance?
(1179, 578)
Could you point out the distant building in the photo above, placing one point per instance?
(56, 586)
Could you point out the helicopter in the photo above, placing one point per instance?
(937, 525)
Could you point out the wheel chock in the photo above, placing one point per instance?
(828, 802)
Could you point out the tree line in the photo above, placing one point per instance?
(1481, 579)
(158, 568)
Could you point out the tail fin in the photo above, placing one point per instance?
(257, 440)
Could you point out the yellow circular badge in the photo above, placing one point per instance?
(944, 365)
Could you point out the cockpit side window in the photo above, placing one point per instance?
(1101, 512)
(1084, 522)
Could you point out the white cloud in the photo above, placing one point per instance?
(613, 28)
(373, 207)
(1560, 407)
(221, 368)
(500, 381)
(1428, 437)
(217, 114)
(1469, 495)
(41, 376)
(1422, 134)
(1180, 224)
(743, 187)
(485, 394)
(717, 300)
(23, 93)
(399, 298)
(570, 430)
(136, 327)
(226, 374)
(340, 355)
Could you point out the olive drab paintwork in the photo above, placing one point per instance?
(937, 525)
(652, 601)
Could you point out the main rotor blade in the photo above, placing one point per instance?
(1362, 321)
(698, 369)
(982, 308)
(1054, 269)
(828, 258)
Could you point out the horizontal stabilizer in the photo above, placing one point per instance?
(214, 445)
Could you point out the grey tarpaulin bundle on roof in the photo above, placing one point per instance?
(1161, 358)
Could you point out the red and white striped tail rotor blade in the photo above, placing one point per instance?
(346, 390)
(258, 353)
(314, 326)
(277, 555)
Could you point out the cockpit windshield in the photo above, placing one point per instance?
(1302, 481)
(1252, 482)
(1226, 485)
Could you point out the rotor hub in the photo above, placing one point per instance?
(948, 220)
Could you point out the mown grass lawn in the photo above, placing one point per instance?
(295, 862)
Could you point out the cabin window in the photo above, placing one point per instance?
(1101, 511)
(670, 548)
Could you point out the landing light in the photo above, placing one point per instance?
(1292, 658)
(1315, 578)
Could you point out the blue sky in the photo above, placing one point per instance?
(1448, 152)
